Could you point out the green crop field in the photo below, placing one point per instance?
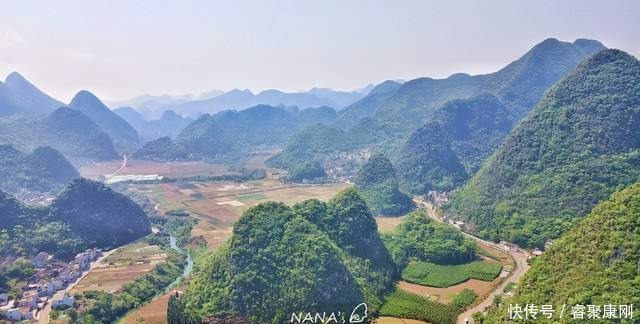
(402, 304)
(442, 276)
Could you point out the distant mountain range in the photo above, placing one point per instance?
(169, 124)
(215, 101)
(232, 134)
(388, 116)
(19, 96)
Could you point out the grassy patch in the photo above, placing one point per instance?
(464, 299)
(402, 304)
(435, 275)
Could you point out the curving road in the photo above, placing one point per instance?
(519, 256)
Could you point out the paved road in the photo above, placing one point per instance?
(518, 255)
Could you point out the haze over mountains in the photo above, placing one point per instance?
(215, 101)
(387, 117)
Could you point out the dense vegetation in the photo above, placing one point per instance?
(99, 215)
(440, 155)
(311, 144)
(42, 170)
(435, 275)
(377, 182)
(323, 257)
(85, 214)
(421, 238)
(578, 146)
(124, 137)
(401, 304)
(595, 263)
(306, 171)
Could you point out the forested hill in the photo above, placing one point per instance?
(67, 130)
(387, 117)
(99, 215)
(85, 214)
(578, 146)
(595, 263)
(377, 182)
(442, 154)
(42, 170)
(124, 137)
(311, 257)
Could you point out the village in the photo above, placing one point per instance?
(47, 287)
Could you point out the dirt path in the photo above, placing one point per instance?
(521, 267)
(124, 165)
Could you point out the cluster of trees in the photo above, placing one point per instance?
(378, 184)
(85, 214)
(313, 256)
(421, 238)
(579, 145)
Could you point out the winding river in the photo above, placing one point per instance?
(187, 269)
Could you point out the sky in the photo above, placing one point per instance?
(120, 49)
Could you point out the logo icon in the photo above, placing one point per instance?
(359, 313)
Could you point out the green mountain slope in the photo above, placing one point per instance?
(578, 146)
(67, 130)
(43, 170)
(311, 257)
(378, 184)
(595, 263)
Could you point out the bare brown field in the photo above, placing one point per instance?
(394, 320)
(388, 224)
(154, 312)
(167, 169)
(123, 266)
(444, 295)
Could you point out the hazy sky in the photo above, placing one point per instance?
(120, 49)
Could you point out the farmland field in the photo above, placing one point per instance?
(435, 275)
(154, 312)
(401, 304)
(123, 266)
(218, 205)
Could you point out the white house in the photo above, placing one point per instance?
(62, 300)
